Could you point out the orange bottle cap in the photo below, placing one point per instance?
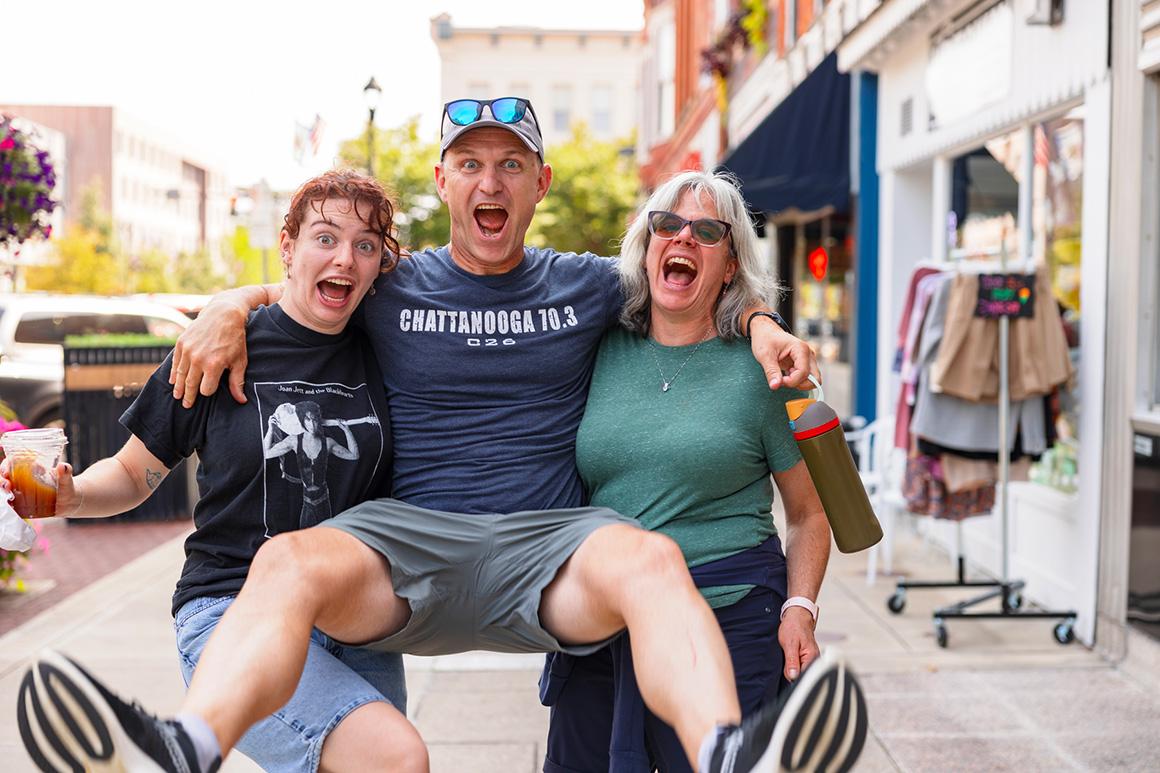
(796, 408)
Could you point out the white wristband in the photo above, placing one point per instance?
(804, 603)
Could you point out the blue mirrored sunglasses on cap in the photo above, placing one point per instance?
(465, 112)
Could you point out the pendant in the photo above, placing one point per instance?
(664, 386)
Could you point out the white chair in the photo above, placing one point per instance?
(880, 469)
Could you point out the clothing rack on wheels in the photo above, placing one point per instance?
(1009, 591)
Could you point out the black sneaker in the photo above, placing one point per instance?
(819, 724)
(70, 722)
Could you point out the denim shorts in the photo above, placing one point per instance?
(336, 681)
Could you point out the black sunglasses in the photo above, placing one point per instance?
(465, 112)
(705, 231)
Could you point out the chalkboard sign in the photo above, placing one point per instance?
(1006, 295)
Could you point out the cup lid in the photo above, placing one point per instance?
(24, 438)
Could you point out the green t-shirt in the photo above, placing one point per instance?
(693, 462)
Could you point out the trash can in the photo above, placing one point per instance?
(100, 383)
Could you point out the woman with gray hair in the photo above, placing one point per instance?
(682, 432)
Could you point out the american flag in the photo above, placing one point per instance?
(307, 139)
(316, 130)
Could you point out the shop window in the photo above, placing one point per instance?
(985, 198)
(602, 109)
(985, 194)
(1156, 355)
(822, 308)
(1057, 234)
(561, 108)
(1057, 211)
(1143, 569)
(666, 62)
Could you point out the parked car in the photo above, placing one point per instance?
(32, 332)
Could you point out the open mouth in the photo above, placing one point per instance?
(335, 292)
(491, 218)
(679, 271)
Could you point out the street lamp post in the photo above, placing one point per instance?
(371, 95)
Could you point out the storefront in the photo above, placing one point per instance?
(994, 143)
(794, 167)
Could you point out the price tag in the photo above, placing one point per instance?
(1006, 295)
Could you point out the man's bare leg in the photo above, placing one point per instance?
(319, 577)
(624, 577)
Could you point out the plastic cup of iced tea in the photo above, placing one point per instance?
(33, 455)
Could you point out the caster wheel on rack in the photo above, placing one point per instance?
(1064, 634)
(940, 633)
(1014, 600)
(896, 602)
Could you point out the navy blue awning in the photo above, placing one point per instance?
(799, 156)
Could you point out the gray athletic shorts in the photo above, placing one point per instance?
(474, 581)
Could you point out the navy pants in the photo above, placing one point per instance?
(581, 721)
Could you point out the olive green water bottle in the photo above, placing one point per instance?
(822, 443)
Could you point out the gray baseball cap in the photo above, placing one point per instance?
(487, 112)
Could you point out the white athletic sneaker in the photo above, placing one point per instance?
(818, 724)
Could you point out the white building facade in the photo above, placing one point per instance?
(161, 195)
(164, 197)
(570, 76)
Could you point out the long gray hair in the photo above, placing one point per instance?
(752, 285)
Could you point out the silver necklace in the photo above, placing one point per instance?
(668, 382)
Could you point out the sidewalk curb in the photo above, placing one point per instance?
(100, 601)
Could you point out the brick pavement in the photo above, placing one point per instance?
(1003, 697)
(78, 554)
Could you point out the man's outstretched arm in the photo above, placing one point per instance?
(778, 350)
(216, 341)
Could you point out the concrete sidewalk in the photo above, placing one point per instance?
(1004, 696)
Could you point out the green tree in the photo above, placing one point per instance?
(247, 260)
(405, 163)
(151, 272)
(82, 266)
(593, 195)
(194, 273)
(86, 260)
(594, 189)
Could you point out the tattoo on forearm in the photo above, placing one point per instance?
(152, 478)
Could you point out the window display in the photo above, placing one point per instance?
(984, 214)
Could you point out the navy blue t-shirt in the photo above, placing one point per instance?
(487, 376)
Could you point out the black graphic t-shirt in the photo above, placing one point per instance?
(313, 440)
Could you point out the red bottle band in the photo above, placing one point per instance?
(806, 434)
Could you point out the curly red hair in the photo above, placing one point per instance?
(372, 204)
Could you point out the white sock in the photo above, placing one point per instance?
(708, 744)
(205, 743)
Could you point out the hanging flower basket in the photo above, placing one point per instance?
(744, 30)
(27, 180)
